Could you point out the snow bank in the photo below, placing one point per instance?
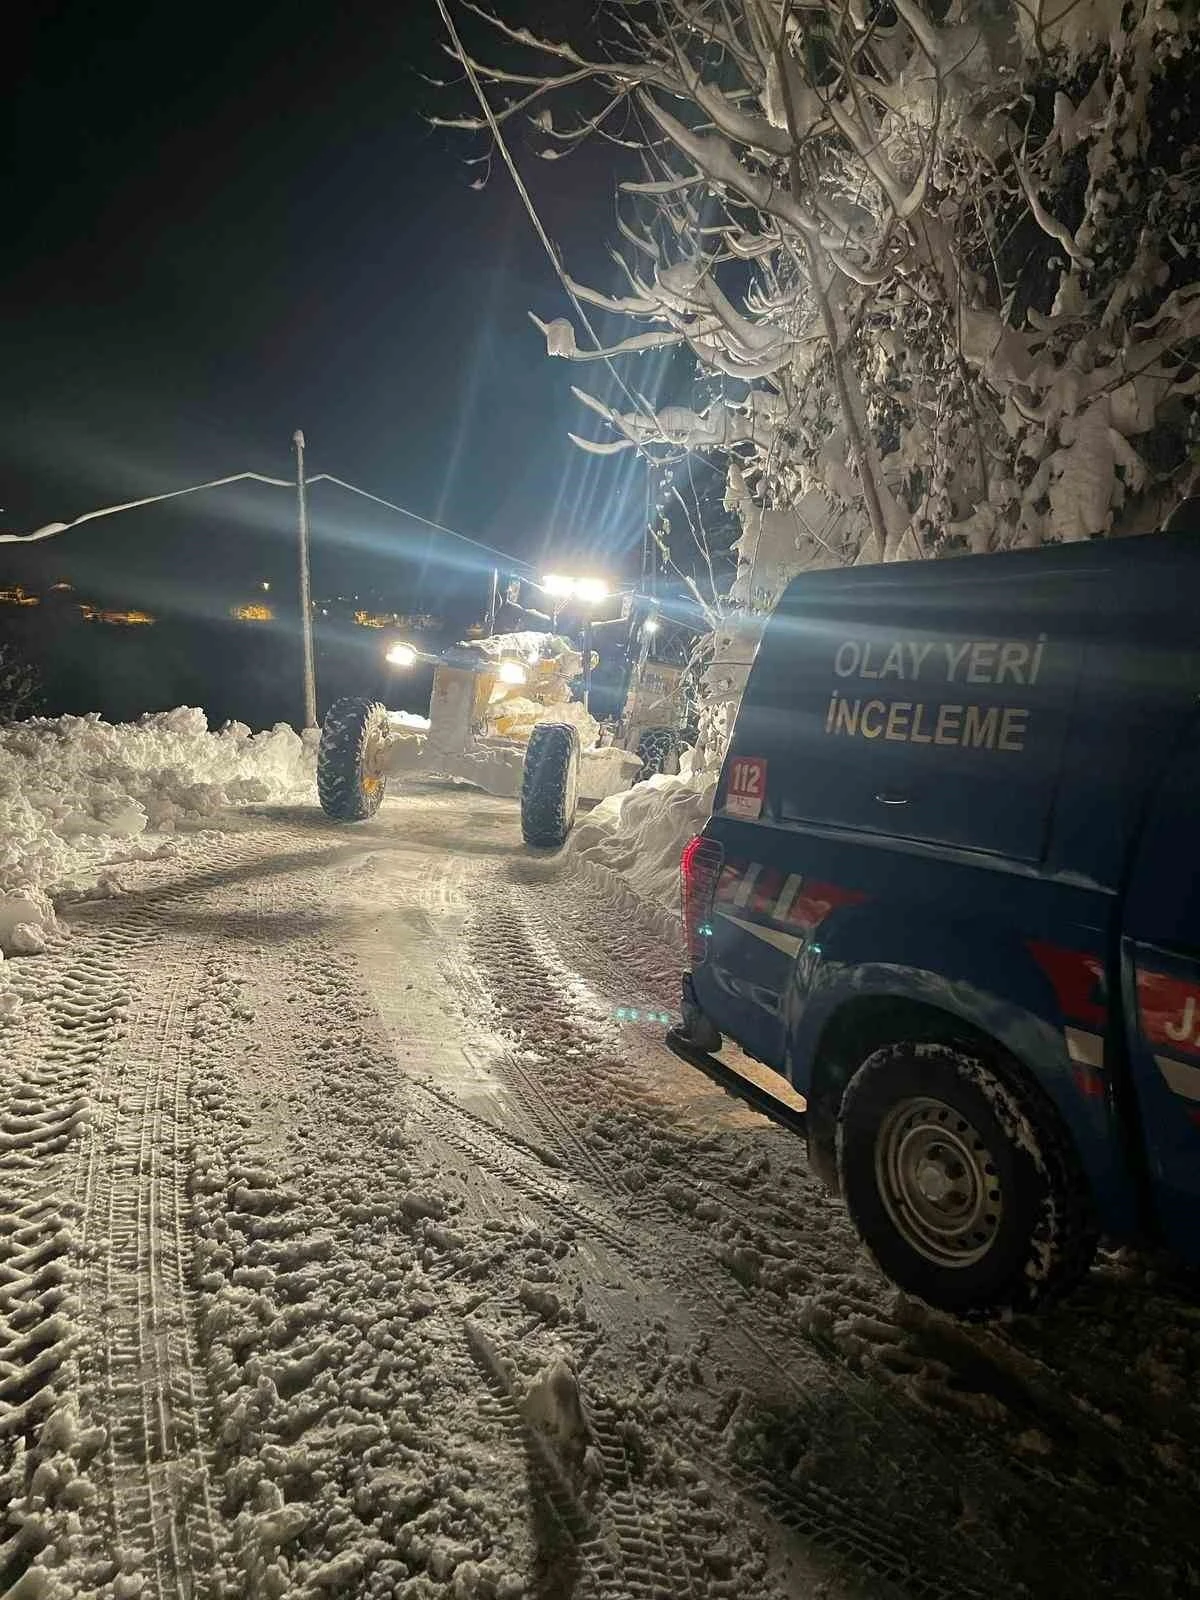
(637, 836)
(77, 793)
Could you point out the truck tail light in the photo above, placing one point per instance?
(699, 868)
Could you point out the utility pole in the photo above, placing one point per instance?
(306, 623)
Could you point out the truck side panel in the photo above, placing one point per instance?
(805, 925)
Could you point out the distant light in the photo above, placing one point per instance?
(591, 590)
(402, 655)
(264, 586)
(252, 613)
(562, 588)
(512, 672)
(121, 619)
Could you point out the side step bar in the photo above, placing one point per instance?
(733, 1083)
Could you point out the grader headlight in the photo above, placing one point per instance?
(512, 673)
(401, 655)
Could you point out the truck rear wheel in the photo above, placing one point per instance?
(961, 1181)
(350, 784)
(550, 784)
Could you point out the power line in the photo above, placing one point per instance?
(51, 529)
(438, 527)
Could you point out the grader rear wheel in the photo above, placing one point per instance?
(350, 779)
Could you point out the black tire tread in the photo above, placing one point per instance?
(345, 733)
(658, 750)
(553, 748)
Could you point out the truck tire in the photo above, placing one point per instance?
(658, 750)
(349, 791)
(550, 784)
(961, 1181)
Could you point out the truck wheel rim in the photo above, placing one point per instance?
(938, 1182)
(372, 760)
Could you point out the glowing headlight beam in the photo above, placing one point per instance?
(401, 655)
(554, 583)
(589, 591)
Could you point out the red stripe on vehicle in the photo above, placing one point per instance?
(727, 884)
(786, 900)
(1078, 981)
(1170, 1009)
(816, 900)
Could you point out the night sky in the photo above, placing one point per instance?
(223, 223)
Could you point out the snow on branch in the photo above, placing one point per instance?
(913, 303)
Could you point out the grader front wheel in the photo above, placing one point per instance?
(350, 777)
(550, 784)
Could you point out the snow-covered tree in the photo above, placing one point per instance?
(20, 686)
(936, 263)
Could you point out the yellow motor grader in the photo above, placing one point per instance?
(501, 716)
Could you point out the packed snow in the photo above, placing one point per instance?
(78, 795)
(635, 838)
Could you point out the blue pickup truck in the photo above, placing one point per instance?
(950, 889)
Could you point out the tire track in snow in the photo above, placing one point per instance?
(159, 1425)
(503, 1249)
(513, 1164)
(74, 1003)
(511, 954)
(516, 958)
(92, 1174)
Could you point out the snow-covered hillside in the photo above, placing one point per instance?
(78, 794)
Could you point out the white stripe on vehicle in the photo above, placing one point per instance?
(1086, 1048)
(746, 887)
(787, 896)
(1179, 1076)
(791, 944)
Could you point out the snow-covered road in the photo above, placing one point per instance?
(354, 1242)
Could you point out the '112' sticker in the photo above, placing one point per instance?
(747, 787)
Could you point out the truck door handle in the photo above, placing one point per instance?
(891, 797)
